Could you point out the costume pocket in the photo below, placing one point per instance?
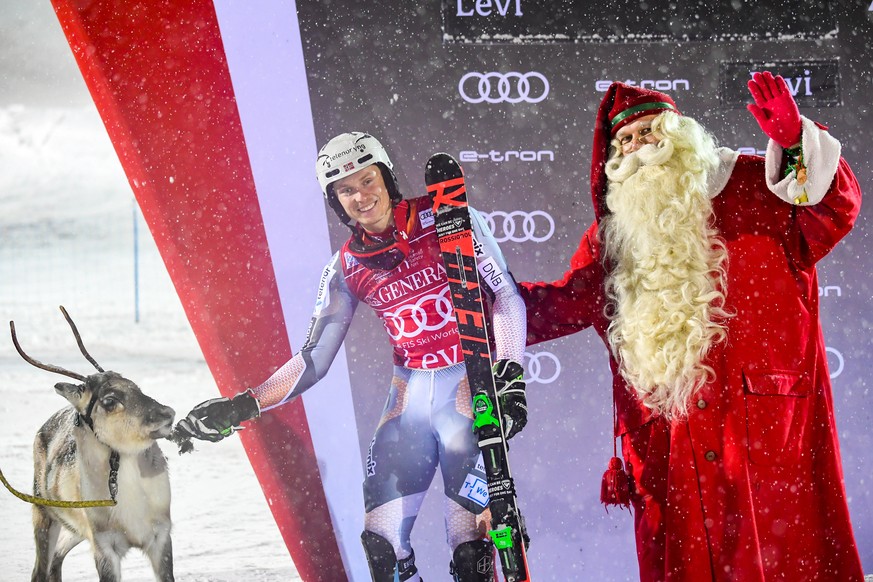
(777, 411)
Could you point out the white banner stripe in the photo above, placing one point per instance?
(265, 58)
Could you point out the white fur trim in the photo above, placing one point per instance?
(717, 180)
(821, 154)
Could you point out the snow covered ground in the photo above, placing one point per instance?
(67, 225)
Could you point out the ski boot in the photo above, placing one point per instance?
(473, 562)
(383, 561)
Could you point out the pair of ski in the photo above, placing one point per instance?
(445, 184)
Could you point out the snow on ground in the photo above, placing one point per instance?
(67, 220)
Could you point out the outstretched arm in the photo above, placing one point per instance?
(570, 304)
(220, 417)
(330, 322)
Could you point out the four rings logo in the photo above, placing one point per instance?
(531, 87)
(541, 367)
(750, 151)
(412, 318)
(545, 367)
(520, 226)
(838, 359)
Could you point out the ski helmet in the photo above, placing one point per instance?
(346, 154)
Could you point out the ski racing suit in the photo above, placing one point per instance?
(427, 419)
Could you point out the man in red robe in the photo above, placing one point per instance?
(699, 274)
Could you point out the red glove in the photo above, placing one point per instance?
(774, 109)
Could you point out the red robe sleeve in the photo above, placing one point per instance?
(571, 303)
(818, 228)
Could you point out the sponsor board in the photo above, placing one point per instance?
(488, 8)
(751, 151)
(666, 85)
(520, 226)
(547, 21)
(836, 362)
(511, 87)
(500, 156)
(541, 367)
(813, 83)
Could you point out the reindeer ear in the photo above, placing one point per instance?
(72, 392)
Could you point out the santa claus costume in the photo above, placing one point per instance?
(742, 480)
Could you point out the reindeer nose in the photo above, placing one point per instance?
(162, 414)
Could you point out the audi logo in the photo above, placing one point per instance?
(411, 319)
(520, 226)
(541, 367)
(510, 87)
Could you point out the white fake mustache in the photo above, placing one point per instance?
(623, 167)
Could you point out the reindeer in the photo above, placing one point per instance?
(103, 445)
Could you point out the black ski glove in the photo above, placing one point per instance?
(508, 380)
(219, 417)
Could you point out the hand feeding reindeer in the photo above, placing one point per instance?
(103, 445)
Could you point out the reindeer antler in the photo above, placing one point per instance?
(47, 367)
(79, 340)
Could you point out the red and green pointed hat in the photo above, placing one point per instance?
(622, 104)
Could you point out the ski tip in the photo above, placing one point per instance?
(441, 167)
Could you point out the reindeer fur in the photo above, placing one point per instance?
(71, 462)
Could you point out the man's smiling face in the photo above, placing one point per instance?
(365, 198)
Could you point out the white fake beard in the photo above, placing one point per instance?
(666, 290)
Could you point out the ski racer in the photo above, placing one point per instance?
(392, 263)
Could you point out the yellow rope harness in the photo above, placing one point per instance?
(55, 502)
